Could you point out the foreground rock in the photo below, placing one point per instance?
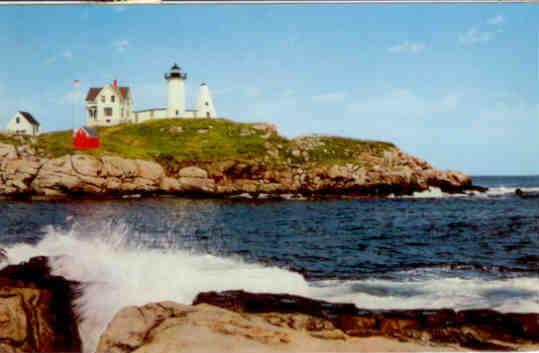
(237, 321)
(36, 313)
(395, 173)
(171, 327)
(474, 329)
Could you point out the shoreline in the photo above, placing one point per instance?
(84, 176)
(244, 196)
(239, 321)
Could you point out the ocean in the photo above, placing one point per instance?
(430, 250)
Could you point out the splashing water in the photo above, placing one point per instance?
(115, 272)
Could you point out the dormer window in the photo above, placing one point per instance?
(18, 120)
(112, 98)
(102, 99)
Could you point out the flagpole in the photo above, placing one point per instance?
(76, 84)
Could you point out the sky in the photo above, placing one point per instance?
(455, 84)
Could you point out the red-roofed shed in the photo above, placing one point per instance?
(85, 138)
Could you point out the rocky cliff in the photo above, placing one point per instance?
(24, 172)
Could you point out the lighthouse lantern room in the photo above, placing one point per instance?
(175, 91)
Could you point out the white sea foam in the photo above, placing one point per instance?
(504, 190)
(116, 274)
(434, 192)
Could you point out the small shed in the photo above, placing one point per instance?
(23, 123)
(86, 137)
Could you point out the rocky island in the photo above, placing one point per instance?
(215, 158)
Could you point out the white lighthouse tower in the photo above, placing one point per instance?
(205, 108)
(175, 92)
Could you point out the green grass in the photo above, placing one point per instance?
(210, 140)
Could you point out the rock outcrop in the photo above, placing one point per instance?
(80, 174)
(237, 321)
(172, 327)
(474, 329)
(36, 310)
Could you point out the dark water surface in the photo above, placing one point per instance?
(494, 235)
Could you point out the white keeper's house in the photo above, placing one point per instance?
(111, 104)
(108, 105)
(23, 123)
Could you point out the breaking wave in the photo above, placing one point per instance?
(116, 272)
(434, 192)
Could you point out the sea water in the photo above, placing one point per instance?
(428, 251)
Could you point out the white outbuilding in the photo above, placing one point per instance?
(205, 108)
(23, 123)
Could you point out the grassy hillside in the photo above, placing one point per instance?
(212, 139)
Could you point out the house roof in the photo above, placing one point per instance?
(147, 110)
(29, 118)
(90, 131)
(94, 91)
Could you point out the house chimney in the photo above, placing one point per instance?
(115, 83)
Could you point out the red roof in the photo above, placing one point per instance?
(94, 91)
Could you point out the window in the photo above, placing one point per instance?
(102, 99)
(18, 120)
(207, 103)
(112, 98)
(177, 112)
(207, 114)
(108, 111)
(108, 121)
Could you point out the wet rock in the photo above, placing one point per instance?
(168, 326)
(476, 329)
(36, 310)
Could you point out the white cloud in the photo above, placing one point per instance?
(71, 97)
(473, 37)
(119, 8)
(496, 20)
(451, 100)
(406, 47)
(404, 103)
(68, 55)
(288, 92)
(121, 45)
(252, 91)
(330, 96)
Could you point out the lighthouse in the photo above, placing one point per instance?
(175, 92)
(205, 108)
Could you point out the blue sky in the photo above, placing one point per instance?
(454, 84)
